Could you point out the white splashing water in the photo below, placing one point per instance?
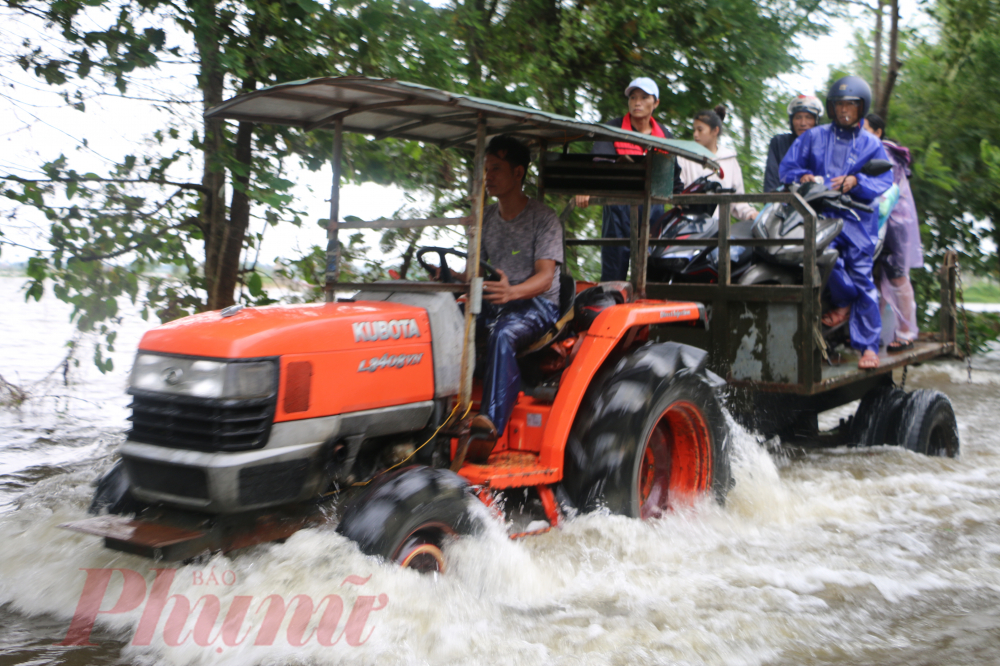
(849, 556)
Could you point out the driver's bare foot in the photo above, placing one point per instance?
(836, 317)
(868, 361)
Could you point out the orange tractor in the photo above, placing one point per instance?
(247, 422)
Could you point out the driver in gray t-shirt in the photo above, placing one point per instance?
(515, 246)
(522, 240)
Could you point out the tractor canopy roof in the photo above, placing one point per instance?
(386, 108)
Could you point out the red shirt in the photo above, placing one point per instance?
(623, 148)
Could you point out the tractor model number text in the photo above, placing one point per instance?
(373, 331)
(389, 361)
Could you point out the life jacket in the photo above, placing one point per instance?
(623, 148)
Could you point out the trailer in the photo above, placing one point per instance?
(767, 340)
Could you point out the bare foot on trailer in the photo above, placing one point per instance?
(868, 361)
(836, 317)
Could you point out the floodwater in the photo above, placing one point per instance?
(845, 556)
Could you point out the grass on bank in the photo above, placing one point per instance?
(982, 290)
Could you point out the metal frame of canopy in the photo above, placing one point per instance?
(386, 108)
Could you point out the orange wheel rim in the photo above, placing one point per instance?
(421, 550)
(424, 558)
(676, 462)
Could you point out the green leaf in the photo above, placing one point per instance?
(35, 291)
(37, 268)
(255, 284)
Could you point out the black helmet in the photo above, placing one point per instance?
(851, 89)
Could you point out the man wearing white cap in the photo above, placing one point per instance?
(643, 97)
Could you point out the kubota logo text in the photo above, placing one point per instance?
(371, 331)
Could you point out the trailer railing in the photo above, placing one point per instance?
(765, 336)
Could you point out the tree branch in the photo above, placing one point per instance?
(117, 253)
(30, 11)
(859, 3)
(4, 241)
(126, 250)
(149, 181)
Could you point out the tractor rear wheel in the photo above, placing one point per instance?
(407, 516)
(650, 437)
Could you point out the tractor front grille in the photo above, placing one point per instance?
(200, 424)
(273, 483)
(166, 478)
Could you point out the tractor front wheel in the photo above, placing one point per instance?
(407, 516)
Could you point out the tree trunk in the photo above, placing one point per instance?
(750, 170)
(234, 233)
(408, 254)
(877, 56)
(211, 80)
(894, 64)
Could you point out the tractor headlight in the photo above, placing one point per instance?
(203, 378)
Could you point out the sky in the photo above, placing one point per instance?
(38, 127)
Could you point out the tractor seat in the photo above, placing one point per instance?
(567, 293)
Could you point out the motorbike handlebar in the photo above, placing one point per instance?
(857, 205)
(846, 202)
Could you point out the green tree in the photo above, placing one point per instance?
(106, 229)
(573, 58)
(577, 58)
(947, 111)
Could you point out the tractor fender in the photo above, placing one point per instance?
(598, 348)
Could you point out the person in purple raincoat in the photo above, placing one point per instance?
(835, 154)
(902, 249)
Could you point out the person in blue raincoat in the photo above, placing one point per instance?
(834, 154)
(643, 97)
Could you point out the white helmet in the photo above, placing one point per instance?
(807, 103)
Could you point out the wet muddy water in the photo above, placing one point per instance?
(843, 556)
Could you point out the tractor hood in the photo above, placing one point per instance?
(299, 329)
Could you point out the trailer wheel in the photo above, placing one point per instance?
(407, 516)
(928, 424)
(877, 418)
(649, 437)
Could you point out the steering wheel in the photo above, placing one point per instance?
(444, 274)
